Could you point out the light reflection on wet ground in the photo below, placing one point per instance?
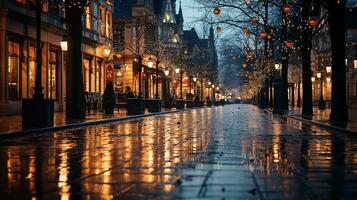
(231, 152)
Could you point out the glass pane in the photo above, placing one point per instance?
(13, 71)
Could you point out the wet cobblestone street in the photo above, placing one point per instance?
(230, 152)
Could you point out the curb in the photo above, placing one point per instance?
(75, 125)
(316, 123)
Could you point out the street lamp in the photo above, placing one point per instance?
(64, 45)
(328, 69)
(106, 52)
(194, 79)
(355, 64)
(150, 63)
(167, 72)
(313, 79)
(322, 105)
(177, 70)
(209, 83)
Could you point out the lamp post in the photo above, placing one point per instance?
(322, 104)
(278, 105)
(38, 111)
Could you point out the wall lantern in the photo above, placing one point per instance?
(313, 79)
(209, 83)
(64, 45)
(194, 79)
(212, 86)
(177, 70)
(328, 69)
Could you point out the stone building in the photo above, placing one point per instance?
(18, 51)
(138, 26)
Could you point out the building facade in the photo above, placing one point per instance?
(18, 51)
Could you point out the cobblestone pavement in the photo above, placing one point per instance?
(230, 152)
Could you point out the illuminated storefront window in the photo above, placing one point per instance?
(52, 76)
(13, 70)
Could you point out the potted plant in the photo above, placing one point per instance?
(109, 99)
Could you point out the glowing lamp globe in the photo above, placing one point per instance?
(217, 11)
(167, 72)
(313, 21)
(289, 44)
(287, 8)
(312, 79)
(150, 63)
(245, 30)
(194, 79)
(318, 74)
(328, 69)
(64, 45)
(263, 34)
(244, 65)
(177, 70)
(254, 19)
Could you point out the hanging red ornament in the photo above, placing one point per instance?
(313, 21)
(287, 8)
(217, 11)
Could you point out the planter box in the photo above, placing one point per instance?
(189, 104)
(222, 102)
(180, 104)
(37, 112)
(153, 105)
(135, 106)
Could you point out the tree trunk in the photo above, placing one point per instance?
(284, 79)
(306, 78)
(338, 86)
(75, 102)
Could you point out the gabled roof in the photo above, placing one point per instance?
(191, 38)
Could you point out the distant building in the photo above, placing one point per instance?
(18, 57)
(137, 24)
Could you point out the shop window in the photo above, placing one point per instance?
(32, 70)
(13, 70)
(108, 25)
(51, 76)
(86, 67)
(102, 20)
(88, 18)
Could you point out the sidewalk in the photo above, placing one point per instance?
(321, 118)
(11, 126)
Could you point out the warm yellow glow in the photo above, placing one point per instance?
(328, 79)
(167, 72)
(107, 51)
(318, 74)
(355, 64)
(328, 69)
(64, 45)
(150, 63)
(312, 79)
(194, 79)
(177, 70)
